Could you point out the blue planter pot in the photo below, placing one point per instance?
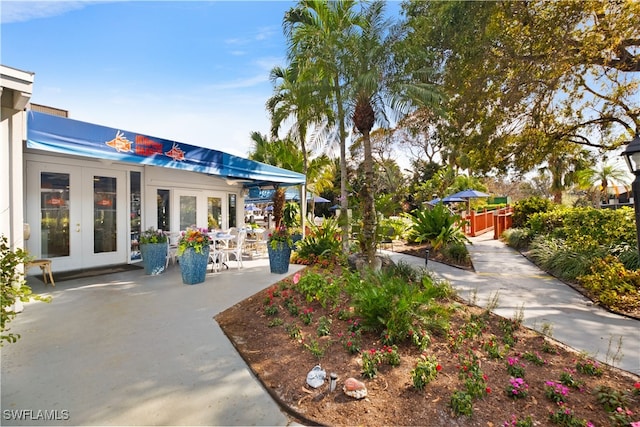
(154, 257)
(279, 258)
(193, 266)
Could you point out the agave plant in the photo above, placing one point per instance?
(439, 226)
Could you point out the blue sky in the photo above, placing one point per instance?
(192, 71)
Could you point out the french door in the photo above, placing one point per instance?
(77, 215)
(202, 209)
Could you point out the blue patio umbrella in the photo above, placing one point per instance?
(448, 199)
(469, 194)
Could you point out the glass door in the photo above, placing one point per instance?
(77, 215)
(104, 226)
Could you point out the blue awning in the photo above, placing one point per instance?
(67, 136)
(258, 195)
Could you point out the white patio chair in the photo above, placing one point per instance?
(172, 247)
(216, 258)
(236, 249)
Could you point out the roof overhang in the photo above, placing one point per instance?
(15, 87)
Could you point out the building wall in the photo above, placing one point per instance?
(16, 86)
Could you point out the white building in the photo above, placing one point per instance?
(82, 192)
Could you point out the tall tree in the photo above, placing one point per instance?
(523, 77)
(296, 99)
(318, 34)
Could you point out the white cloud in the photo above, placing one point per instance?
(27, 10)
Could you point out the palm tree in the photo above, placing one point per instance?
(295, 99)
(286, 154)
(563, 165)
(375, 90)
(602, 178)
(282, 153)
(318, 33)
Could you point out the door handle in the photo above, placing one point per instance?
(78, 227)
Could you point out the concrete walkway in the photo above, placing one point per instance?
(131, 349)
(544, 300)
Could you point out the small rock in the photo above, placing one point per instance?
(354, 388)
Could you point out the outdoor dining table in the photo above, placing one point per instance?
(220, 242)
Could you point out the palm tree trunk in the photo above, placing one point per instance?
(344, 202)
(369, 217)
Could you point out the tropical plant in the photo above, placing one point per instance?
(321, 241)
(14, 287)
(291, 215)
(404, 310)
(438, 226)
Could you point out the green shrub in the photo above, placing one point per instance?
(400, 225)
(562, 259)
(580, 226)
(523, 209)
(456, 252)
(385, 302)
(517, 238)
(612, 284)
(315, 287)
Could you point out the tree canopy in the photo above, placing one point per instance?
(524, 77)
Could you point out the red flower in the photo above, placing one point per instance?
(637, 385)
(438, 368)
(488, 389)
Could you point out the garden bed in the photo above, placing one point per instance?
(281, 349)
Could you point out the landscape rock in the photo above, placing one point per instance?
(354, 388)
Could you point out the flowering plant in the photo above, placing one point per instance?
(193, 238)
(151, 235)
(517, 388)
(556, 391)
(280, 237)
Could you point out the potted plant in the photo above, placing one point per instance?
(193, 255)
(153, 248)
(279, 247)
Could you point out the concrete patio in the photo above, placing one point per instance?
(131, 349)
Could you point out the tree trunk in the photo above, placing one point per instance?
(369, 217)
(344, 201)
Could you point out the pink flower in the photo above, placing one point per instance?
(296, 278)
